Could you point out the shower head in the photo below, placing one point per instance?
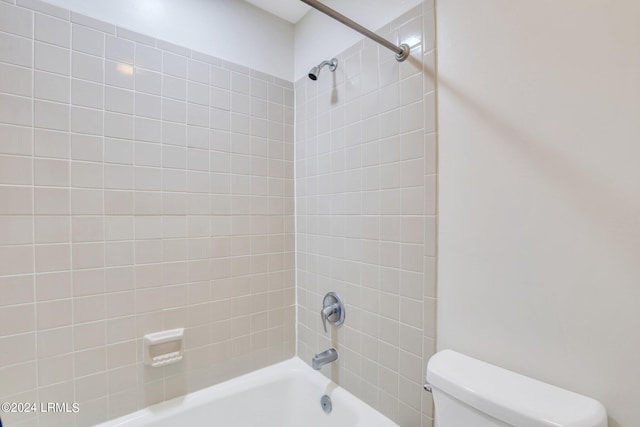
(315, 71)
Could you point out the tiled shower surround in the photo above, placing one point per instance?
(143, 187)
(365, 206)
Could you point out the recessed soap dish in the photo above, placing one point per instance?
(163, 348)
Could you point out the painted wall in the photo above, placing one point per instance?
(365, 217)
(539, 191)
(319, 37)
(143, 186)
(229, 29)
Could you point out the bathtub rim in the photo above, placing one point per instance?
(287, 368)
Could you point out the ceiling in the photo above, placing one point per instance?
(290, 10)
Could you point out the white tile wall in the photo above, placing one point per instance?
(147, 187)
(144, 187)
(365, 206)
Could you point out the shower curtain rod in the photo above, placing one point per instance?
(402, 51)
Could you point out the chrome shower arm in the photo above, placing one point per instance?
(333, 64)
(402, 51)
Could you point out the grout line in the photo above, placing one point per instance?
(70, 215)
(102, 112)
(162, 187)
(33, 212)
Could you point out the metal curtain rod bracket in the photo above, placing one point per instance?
(402, 51)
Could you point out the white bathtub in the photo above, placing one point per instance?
(283, 395)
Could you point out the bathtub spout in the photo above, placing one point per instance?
(324, 358)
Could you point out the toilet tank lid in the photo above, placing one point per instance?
(511, 397)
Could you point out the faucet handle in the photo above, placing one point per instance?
(324, 320)
(326, 312)
(332, 310)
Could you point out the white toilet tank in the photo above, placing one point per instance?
(470, 393)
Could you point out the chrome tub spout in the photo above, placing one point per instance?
(324, 358)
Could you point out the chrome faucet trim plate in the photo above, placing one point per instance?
(332, 310)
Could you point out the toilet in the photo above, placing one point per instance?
(470, 393)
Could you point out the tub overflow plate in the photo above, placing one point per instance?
(325, 402)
